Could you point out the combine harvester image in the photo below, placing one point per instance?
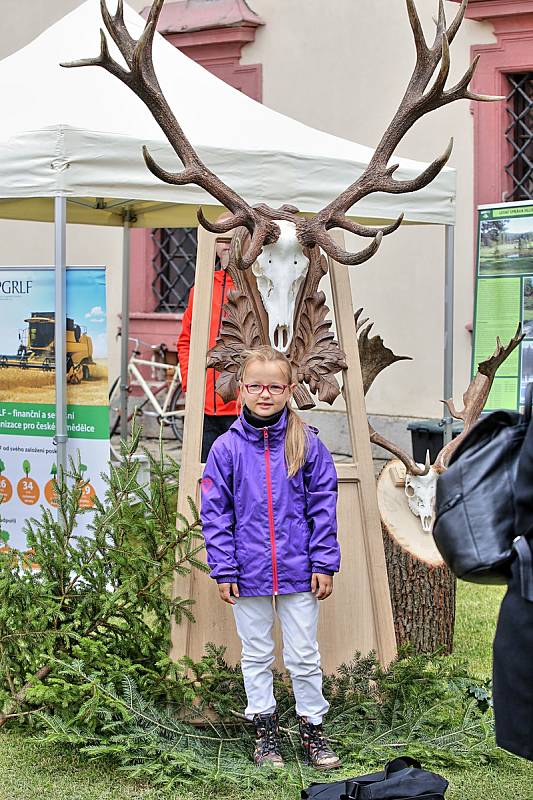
(37, 347)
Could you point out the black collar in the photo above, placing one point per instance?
(261, 422)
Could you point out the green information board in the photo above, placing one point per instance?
(504, 297)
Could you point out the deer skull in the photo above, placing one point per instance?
(421, 491)
(280, 271)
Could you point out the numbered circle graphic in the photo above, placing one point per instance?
(87, 497)
(28, 491)
(50, 494)
(6, 489)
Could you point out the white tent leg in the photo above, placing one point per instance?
(125, 327)
(448, 327)
(60, 226)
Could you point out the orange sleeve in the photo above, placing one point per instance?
(184, 341)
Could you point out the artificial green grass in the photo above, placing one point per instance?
(29, 771)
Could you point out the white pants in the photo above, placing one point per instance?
(298, 614)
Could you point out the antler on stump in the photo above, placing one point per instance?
(476, 396)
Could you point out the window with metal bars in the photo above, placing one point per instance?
(519, 134)
(173, 266)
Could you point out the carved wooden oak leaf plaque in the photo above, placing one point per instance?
(239, 331)
(316, 355)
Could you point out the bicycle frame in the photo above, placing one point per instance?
(161, 410)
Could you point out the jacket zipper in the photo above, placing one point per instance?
(270, 512)
(218, 334)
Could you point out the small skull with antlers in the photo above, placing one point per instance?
(421, 479)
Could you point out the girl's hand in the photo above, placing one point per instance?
(321, 585)
(227, 592)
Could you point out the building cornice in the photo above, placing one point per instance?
(502, 13)
(189, 16)
(212, 33)
(215, 45)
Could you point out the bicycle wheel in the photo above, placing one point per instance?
(177, 403)
(114, 409)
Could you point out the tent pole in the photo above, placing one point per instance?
(60, 272)
(449, 233)
(125, 326)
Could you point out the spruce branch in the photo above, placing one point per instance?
(106, 588)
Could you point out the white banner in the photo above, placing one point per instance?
(27, 391)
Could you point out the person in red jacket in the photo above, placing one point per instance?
(218, 415)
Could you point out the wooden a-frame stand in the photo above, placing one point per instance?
(358, 616)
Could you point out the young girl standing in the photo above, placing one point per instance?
(269, 494)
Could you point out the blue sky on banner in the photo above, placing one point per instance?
(24, 291)
(86, 304)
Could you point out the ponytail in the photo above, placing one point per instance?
(296, 442)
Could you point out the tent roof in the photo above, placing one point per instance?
(80, 133)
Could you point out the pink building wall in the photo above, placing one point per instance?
(512, 21)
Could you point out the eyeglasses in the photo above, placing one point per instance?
(272, 388)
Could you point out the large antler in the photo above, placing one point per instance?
(476, 395)
(141, 78)
(373, 354)
(260, 220)
(416, 103)
(375, 357)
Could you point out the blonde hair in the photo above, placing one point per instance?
(297, 435)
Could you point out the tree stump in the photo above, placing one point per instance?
(422, 588)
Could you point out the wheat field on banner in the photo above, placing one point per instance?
(36, 386)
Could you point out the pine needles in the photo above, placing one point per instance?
(423, 706)
(84, 643)
(102, 597)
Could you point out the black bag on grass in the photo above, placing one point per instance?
(402, 779)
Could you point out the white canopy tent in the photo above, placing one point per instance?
(71, 141)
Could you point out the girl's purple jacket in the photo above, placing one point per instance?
(264, 531)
